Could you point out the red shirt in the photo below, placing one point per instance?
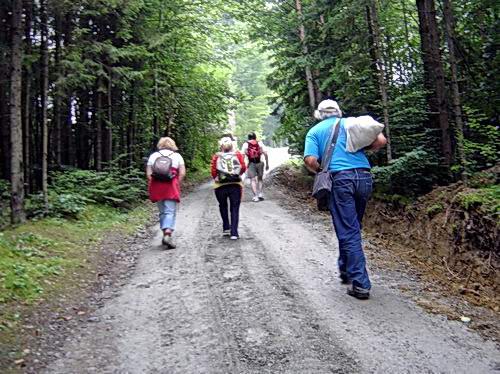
(163, 190)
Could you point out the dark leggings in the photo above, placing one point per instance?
(233, 193)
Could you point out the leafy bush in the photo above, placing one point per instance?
(4, 202)
(413, 174)
(66, 205)
(487, 199)
(115, 188)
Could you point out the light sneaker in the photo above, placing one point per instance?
(226, 232)
(255, 198)
(168, 242)
(234, 237)
(261, 196)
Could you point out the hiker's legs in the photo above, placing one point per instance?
(252, 174)
(260, 177)
(168, 215)
(255, 188)
(221, 195)
(235, 201)
(363, 192)
(347, 227)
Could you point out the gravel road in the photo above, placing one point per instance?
(268, 303)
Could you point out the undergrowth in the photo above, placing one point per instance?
(36, 256)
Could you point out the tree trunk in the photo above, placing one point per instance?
(58, 94)
(305, 52)
(374, 29)
(44, 81)
(434, 76)
(449, 22)
(156, 128)
(5, 66)
(83, 144)
(28, 5)
(130, 127)
(16, 138)
(98, 127)
(109, 124)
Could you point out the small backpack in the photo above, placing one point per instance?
(253, 151)
(228, 167)
(162, 168)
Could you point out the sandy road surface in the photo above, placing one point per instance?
(268, 303)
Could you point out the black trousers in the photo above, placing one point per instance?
(231, 192)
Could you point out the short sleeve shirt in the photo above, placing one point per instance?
(176, 158)
(316, 142)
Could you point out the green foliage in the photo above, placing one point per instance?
(483, 145)
(434, 209)
(116, 188)
(410, 175)
(25, 260)
(486, 199)
(43, 254)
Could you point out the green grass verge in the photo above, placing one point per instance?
(36, 256)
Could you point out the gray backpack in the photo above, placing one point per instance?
(322, 187)
(162, 168)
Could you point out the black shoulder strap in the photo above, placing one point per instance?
(332, 141)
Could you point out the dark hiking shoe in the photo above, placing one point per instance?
(359, 293)
(344, 279)
(168, 242)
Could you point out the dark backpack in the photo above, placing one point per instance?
(253, 151)
(162, 168)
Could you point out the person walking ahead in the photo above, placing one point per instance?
(254, 150)
(165, 171)
(227, 167)
(351, 189)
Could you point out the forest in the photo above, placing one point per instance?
(90, 85)
(87, 87)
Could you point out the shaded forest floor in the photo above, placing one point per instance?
(451, 251)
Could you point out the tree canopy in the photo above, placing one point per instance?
(93, 84)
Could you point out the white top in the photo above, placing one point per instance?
(244, 147)
(177, 159)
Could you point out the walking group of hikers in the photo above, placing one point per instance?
(334, 152)
(165, 171)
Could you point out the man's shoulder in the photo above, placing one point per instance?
(320, 128)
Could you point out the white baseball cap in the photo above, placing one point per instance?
(225, 141)
(327, 106)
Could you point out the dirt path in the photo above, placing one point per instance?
(268, 303)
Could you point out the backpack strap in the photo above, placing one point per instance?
(171, 152)
(330, 147)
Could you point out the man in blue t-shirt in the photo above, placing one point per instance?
(351, 189)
